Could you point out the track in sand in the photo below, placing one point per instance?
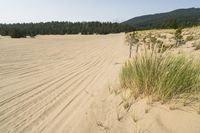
(47, 83)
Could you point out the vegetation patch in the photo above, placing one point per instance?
(179, 37)
(190, 38)
(161, 75)
(197, 46)
(61, 28)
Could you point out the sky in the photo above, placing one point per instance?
(19, 11)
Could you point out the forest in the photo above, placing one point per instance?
(19, 30)
(169, 20)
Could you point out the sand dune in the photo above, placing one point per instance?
(60, 84)
(47, 83)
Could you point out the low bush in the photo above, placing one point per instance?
(189, 38)
(17, 33)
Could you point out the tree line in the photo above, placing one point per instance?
(60, 28)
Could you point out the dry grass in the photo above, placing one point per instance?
(161, 75)
(197, 46)
(147, 109)
(135, 117)
(173, 107)
(198, 109)
(190, 38)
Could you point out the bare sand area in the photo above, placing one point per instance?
(63, 84)
(48, 83)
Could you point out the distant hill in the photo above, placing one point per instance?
(177, 18)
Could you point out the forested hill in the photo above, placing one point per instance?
(61, 28)
(177, 18)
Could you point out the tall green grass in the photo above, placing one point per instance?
(162, 75)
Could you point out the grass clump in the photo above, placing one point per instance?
(190, 38)
(197, 46)
(198, 110)
(161, 75)
(178, 37)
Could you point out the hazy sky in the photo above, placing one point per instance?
(12, 11)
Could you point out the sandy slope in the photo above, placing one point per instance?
(47, 83)
(59, 84)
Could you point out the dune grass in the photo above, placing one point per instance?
(164, 76)
(197, 46)
(190, 38)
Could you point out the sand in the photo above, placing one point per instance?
(48, 83)
(60, 84)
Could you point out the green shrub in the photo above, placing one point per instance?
(189, 38)
(17, 33)
(178, 37)
(163, 48)
(160, 75)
